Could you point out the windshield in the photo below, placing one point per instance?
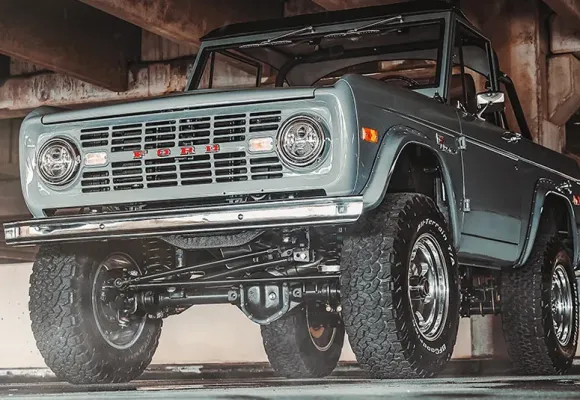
(408, 55)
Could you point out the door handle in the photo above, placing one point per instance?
(511, 137)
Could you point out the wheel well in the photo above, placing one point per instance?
(556, 209)
(418, 170)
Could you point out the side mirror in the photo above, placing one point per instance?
(490, 102)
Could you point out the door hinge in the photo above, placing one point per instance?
(466, 205)
(461, 143)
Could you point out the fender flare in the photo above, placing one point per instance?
(377, 185)
(544, 189)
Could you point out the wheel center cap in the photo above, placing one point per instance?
(426, 286)
(420, 285)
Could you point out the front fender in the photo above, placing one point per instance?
(391, 147)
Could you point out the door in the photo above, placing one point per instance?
(491, 204)
(492, 221)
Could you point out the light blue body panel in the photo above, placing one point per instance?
(506, 184)
(336, 173)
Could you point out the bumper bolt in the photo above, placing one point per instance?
(232, 296)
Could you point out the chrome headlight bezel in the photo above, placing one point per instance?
(319, 150)
(72, 170)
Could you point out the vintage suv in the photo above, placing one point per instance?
(340, 173)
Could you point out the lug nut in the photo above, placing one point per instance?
(171, 289)
(133, 272)
(328, 308)
(338, 308)
(272, 296)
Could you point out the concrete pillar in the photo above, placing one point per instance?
(301, 7)
(187, 21)
(71, 38)
(564, 37)
(345, 4)
(521, 43)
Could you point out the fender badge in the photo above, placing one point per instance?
(440, 139)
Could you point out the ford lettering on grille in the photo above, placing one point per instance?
(182, 151)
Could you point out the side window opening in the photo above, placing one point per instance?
(471, 72)
(406, 72)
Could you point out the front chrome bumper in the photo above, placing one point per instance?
(300, 212)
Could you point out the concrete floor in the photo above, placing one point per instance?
(344, 387)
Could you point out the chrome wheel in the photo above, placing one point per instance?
(322, 336)
(562, 305)
(428, 286)
(113, 315)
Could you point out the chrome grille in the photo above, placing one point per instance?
(200, 169)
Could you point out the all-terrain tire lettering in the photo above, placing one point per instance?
(377, 314)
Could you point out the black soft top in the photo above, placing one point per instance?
(328, 18)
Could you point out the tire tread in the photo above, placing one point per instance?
(60, 327)
(372, 315)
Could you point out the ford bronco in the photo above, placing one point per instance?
(365, 174)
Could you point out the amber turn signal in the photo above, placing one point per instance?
(370, 135)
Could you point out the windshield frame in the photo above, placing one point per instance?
(208, 46)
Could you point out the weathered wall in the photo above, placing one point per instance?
(203, 334)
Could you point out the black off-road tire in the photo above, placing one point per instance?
(376, 308)
(526, 308)
(64, 326)
(292, 353)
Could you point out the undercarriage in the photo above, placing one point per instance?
(265, 278)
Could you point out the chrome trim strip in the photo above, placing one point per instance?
(561, 174)
(515, 157)
(426, 123)
(299, 212)
(510, 155)
(491, 148)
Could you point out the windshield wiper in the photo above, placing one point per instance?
(279, 40)
(365, 29)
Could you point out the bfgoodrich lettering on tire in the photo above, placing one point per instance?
(400, 289)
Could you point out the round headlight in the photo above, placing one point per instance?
(301, 141)
(58, 161)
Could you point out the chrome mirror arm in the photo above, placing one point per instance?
(483, 110)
